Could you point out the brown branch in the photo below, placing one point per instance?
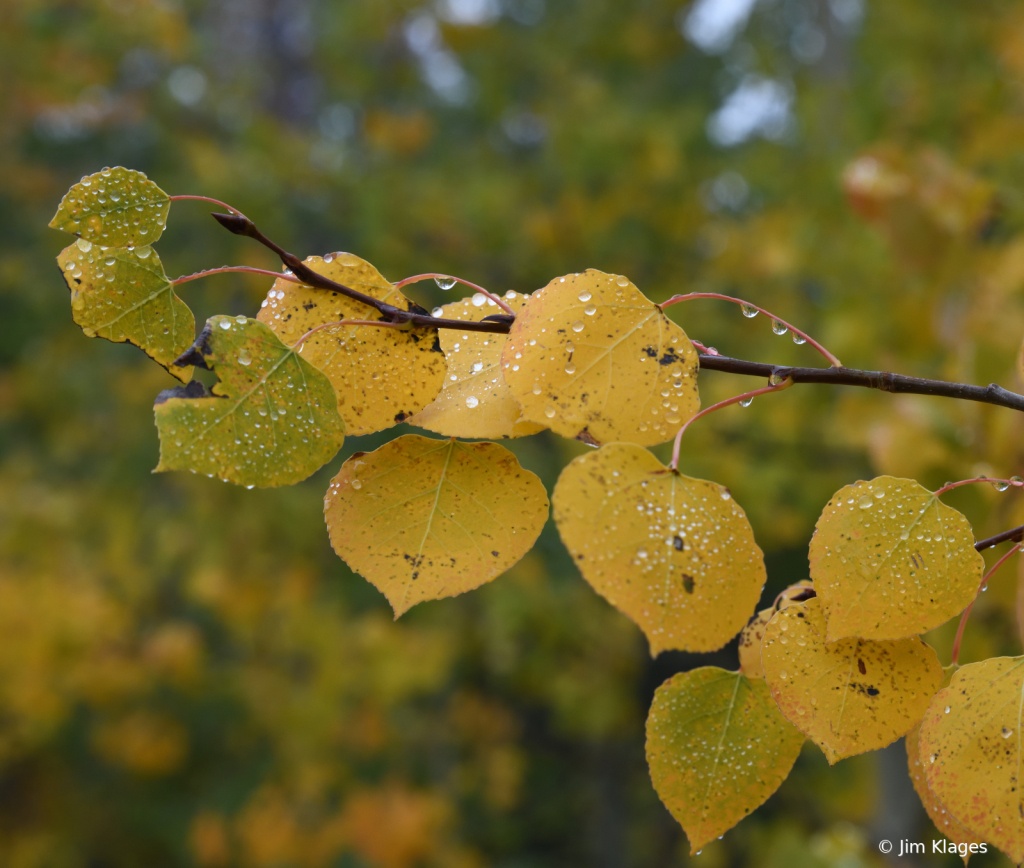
(1014, 534)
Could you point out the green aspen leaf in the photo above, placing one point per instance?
(675, 554)
(475, 400)
(123, 294)
(890, 560)
(592, 358)
(272, 418)
(849, 696)
(970, 748)
(717, 747)
(382, 376)
(750, 636)
(114, 208)
(943, 820)
(424, 519)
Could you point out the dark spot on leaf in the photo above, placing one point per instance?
(494, 553)
(670, 357)
(195, 389)
(436, 346)
(308, 305)
(677, 541)
(651, 352)
(687, 583)
(400, 417)
(861, 668)
(586, 437)
(872, 691)
(195, 354)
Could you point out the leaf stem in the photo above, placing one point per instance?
(832, 360)
(778, 387)
(1017, 483)
(495, 298)
(230, 208)
(967, 612)
(232, 268)
(352, 322)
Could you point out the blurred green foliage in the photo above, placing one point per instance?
(190, 677)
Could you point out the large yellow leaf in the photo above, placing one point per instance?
(123, 294)
(114, 208)
(849, 696)
(590, 357)
(943, 820)
(749, 647)
(675, 554)
(717, 747)
(272, 419)
(423, 519)
(475, 401)
(890, 560)
(971, 751)
(382, 376)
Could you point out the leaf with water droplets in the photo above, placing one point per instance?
(590, 357)
(382, 376)
(943, 820)
(849, 696)
(675, 554)
(424, 519)
(272, 418)
(717, 747)
(114, 208)
(749, 647)
(123, 294)
(475, 401)
(890, 560)
(970, 748)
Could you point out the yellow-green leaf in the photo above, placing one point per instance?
(717, 748)
(943, 820)
(423, 519)
(890, 560)
(592, 358)
(123, 294)
(849, 696)
(272, 419)
(750, 636)
(382, 376)
(971, 751)
(475, 401)
(114, 208)
(675, 554)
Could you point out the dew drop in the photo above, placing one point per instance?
(946, 709)
(1007, 732)
(472, 401)
(783, 675)
(241, 320)
(550, 412)
(590, 309)
(445, 282)
(585, 295)
(244, 358)
(799, 339)
(779, 328)
(356, 484)
(437, 311)
(577, 326)
(776, 379)
(1000, 484)
(746, 402)
(225, 324)
(83, 245)
(537, 389)
(622, 280)
(865, 502)
(749, 311)
(570, 368)
(479, 299)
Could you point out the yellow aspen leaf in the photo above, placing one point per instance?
(590, 357)
(943, 820)
(849, 696)
(970, 747)
(475, 401)
(114, 208)
(272, 418)
(890, 560)
(423, 519)
(123, 294)
(750, 636)
(717, 748)
(675, 554)
(382, 376)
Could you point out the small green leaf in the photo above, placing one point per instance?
(123, 294)
(717, 747)
(114, 208)
(272, 418)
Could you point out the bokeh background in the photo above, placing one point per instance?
(190, 677)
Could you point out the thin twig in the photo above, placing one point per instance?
(775, 387)
(230, 208)
(349, 322)
(967, 612)
(495, 298)
(1014, 534)
(832, 360)
(232, 268)
(1017, 483)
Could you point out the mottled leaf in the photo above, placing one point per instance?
(475, 401)
(272, 419)
(423, 519)
(675, 554)
(382, 376)
(749, 647)
(717, 747)
(114, 208)
(970, 748)
(123, 294)
(942, 819)
(849, 696)
(890, 560)
(590, 357)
